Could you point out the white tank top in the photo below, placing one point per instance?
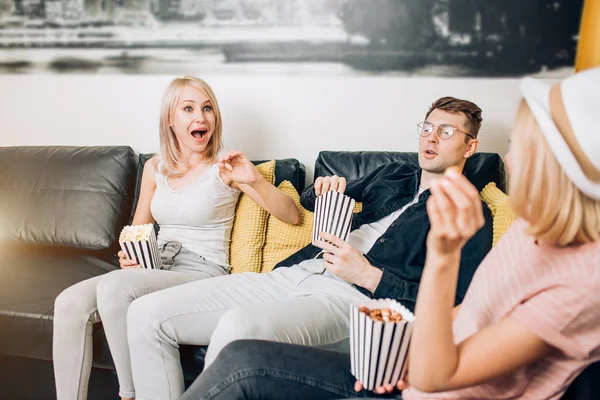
(199, 215)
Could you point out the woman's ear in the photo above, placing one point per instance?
(170, 119)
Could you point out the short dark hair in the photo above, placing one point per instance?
(454, 105)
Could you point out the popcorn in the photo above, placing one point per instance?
(382, 315)
(380, 332)
(135, 233)
(139, 243)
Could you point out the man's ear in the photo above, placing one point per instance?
(472, 147)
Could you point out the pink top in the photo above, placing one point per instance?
(554, 293)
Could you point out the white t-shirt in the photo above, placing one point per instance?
(365, 237)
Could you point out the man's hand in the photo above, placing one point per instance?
(324, 184)
(348, 263)
(238, 168)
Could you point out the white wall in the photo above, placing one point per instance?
(265, 116)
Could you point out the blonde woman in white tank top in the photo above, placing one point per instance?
(191, 192)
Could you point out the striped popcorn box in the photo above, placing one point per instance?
(139, 243)
(333, 214)
(380, 332)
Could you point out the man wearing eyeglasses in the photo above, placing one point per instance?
(307, 300)
(439, 147)
(385, 252)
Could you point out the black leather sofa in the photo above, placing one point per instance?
(61, 209)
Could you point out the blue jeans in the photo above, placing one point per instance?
(254, 369)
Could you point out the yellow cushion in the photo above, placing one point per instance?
(283, 239)
(499, 204)
(249, 227)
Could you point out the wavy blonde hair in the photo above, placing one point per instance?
(559, 214)
(169, 147)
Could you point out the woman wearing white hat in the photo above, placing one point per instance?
(530, 322)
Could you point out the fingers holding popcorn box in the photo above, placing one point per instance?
(139, 243)
(125, 262)
(380, 333)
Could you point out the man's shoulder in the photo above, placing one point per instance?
(398, 167)
(396, 171)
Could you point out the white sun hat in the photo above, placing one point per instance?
(568, 114)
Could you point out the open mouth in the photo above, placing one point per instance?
(199, 133)
(430, 152)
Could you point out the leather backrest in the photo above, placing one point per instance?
(63, 195)
(480, 169)
(288, 169)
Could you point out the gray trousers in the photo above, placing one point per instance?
(107, 298)
(304, 304)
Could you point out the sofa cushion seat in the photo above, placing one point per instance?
(30, 281)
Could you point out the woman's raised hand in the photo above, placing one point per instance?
(238, 168)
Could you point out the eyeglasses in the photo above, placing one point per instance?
(444, 131)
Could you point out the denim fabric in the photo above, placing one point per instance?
(400, 251)
(252, 369)
(175, 257)
(168, 251)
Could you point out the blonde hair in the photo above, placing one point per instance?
(559, 214)
(169, 147)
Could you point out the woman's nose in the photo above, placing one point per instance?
(199, 116)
